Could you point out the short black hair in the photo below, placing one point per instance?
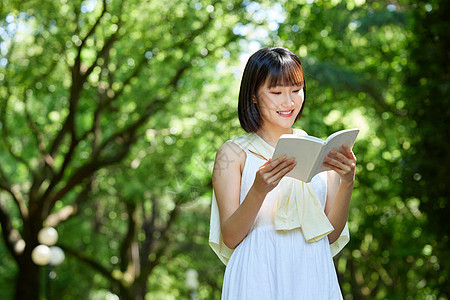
(281, 66)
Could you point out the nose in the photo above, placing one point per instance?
(287, 101)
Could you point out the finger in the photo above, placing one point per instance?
(349, 152)
(341, 172)
(345, 150)
(338, 164)
(278, 176)
(342, 158)
(282, 166)
(274, 180)
(352, 155)
(274, 163)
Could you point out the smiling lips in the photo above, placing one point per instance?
(286, 113)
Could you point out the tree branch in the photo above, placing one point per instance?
(77, 82)
(127, 81)
(7, 84)
(181, 44)
(48, 159)
(129, 236)
(93, 264)
(15, 194)
(127, 136)
(106, 47)
(5, 132)
(56, 178)
(164, 241)
(124, 138)
(10, 235)
(69, 123)
(4, 104)
(92, 30)
(148, 227)
(81, 174)
(74, 97)
(69, 211)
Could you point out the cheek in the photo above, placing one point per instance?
(299, 101)
(301, 98)
(267, 104)
(266, 108)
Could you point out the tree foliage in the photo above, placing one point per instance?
(366, 61)
(111, 113)
(91, 91)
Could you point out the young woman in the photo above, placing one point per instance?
(274, 232)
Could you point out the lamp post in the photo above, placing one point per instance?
(192, 283)
(46, 254)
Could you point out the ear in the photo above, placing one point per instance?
(254, 98)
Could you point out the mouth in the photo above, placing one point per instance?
(285, 113)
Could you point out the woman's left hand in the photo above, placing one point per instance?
(342, 163)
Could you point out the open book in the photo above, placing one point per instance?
(309, 151)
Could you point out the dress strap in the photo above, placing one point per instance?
(237, 143)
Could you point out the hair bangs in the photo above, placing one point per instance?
(286, 73)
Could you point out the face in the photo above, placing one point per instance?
(279, 105)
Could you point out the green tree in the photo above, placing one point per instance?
(364, 63)
(425, 165)
(89, 89)
(111, 113)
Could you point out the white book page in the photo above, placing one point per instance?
(304, 149)
(335, 142)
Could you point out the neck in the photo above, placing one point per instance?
(272, 135)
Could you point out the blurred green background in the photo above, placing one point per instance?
(111, 113)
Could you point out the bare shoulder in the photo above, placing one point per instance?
(228, 156)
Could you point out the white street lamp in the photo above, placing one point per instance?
(56, 256)
(47, 253)
(41, 255)
(48, 236)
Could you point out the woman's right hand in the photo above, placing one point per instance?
(270, 174)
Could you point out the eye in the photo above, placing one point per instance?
(297, 90)
(275, 93)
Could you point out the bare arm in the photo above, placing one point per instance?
(339, 192)
(236, 220)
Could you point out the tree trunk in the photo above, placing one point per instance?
(141, 291)
(28, 279)
(136, 291)
(28, 284)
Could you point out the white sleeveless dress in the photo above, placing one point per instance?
(279, 265)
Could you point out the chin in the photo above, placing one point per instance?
(283, 125)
